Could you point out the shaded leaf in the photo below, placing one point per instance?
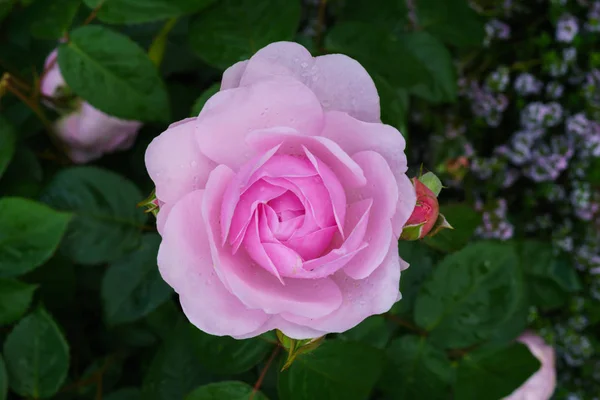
(225, 390)
(233, 30)
(132, 286)
(452, 21)
(37, 356)
(113, 74)
(464, 219)
(8, 141)
(106, 223)
(335, 370)
(29, 234)
(494, 373)
(138, 11)
(15, 298)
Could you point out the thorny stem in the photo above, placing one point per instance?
(263, 373)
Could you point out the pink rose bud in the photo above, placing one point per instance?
(541, 385)
(87, 133)
(425, 214)
(282, 201)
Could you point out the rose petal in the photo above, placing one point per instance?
(175, 163)
(235, 112)
(184, 260)
(292, 142)
(383, 190)
(407, 198)
(339, 82)
(362, 298)
(290, 329)
(254, 286)
(232, 75)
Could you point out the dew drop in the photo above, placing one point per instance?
(304, 64)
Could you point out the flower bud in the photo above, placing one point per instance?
(425, 214)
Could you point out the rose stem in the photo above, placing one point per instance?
(263, 373)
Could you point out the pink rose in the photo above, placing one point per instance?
(88, 133)
(541, 385)
(282, 202)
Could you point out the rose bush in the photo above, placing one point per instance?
(86, 132)
(282, 202)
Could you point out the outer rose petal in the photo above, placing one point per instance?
(89, 133)
(253, 285)
(382, 188)
(354, 136)
(375, 294)
(52, 79)
(290, 329)
(175, 163)
(541, 385)
(232, 75)
(339, 82)
(229, 115)
(184, 260)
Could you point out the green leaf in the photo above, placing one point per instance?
(29, 234)
(23, 177)
(37, 356)
(138, 11)
(470, 295)
(452, 21)
(494, 373)
(200, 101)
(5, 9)
(175, 370)
(229, 390)
(106, 223)
(432, 182)
(225, 355)
(395, 103)
(417, 370)
(392, 14)
(15, 298)
(132, 286)
(464, 219)
(3, 380)
(335, 370)
(233, 30)
(421, 260)
(8, 141)
(124, 394)
(373, 331)
(426, 69)
(113, 74)
(51, 19)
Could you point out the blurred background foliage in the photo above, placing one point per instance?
(84, 313)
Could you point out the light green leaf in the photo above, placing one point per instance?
(15, 298)
(132, 286)
(417, 370)
(233, 30)
(225, 355)
(139, 11)
(113, 74)
(471, 295)
(335, 370)
(8, 141)
(106, 223)
(29, 234)
(37, 356)
(207, 94)
(494, 372)
(229, 390)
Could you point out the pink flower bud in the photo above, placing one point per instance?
(424, 215)
(87, 133)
